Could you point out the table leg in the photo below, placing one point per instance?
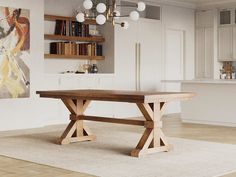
(76, 130)
(153, 139)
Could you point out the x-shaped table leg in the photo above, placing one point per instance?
(153, 139)
(76, 130)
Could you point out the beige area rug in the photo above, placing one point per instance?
(109, 155)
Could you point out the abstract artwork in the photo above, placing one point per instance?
(14, 53)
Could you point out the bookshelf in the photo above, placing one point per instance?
(72, 38)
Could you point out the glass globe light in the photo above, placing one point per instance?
(125, 25)
(80, 17)
(88, 4)
(134, 15)
(141, 6)
(101, 8)
(100, 19)
(117, 14)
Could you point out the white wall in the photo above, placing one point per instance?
(29, 112)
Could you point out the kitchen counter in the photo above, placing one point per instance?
(203, 81)
(214, 104)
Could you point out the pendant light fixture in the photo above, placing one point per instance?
(107, 12)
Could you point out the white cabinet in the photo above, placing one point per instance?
(209, 53)
(125, 54)
(234, 43)
(227, 35)
(226, 43)
(204, 52)
(138, 59)
(200, 53)
(204, 44)
(149, 54)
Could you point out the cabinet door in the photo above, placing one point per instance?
(200, 53)
(225, 17)
(150, 37)
(205, 19)
(225, 43)
(234, 43)
(125, 55)
(204, 52)
(209, 53)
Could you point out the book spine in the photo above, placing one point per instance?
(67, 28)
(53, 48)
(58, 27)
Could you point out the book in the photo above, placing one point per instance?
(99, 49)
(67, 28)
(53, 48)
(58, 27)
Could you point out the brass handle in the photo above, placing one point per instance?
(139, 66)
(136, 66)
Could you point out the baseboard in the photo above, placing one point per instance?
(226, 124)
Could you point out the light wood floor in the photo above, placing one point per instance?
(172, 127)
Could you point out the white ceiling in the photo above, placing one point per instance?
(196, 3)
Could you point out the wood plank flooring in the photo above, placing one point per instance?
(172, 127)
(10, 167)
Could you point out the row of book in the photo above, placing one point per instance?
(72, 48)
(71, 28)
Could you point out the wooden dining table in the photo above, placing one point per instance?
(151, 105)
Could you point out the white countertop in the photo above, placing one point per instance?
(203, 81)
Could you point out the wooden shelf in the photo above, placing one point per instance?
(78, 57)
(74, 38)
(55, 17)
(93, 39)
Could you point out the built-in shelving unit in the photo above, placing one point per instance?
(66, 38)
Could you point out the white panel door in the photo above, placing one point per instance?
(174, 64)
(174, 51)
(225, 43)
(149, 38)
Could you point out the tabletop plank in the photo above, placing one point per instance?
(117, 95)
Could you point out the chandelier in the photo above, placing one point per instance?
(107, 12)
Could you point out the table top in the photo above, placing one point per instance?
(117, 95)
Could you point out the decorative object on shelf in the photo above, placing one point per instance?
(227, 71)
(14, 53)
(107, 12)
(94, 69)
(86, 68)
